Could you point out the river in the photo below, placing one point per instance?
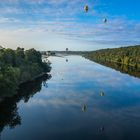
(82, 100)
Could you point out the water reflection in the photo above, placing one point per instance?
(67, 60)
(122, 68)
(73, 109)
(102, 93)
(84, 108)
(101, 129)
(9, 115)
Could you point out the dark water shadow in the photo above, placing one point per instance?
(9, 116)
(132, 71)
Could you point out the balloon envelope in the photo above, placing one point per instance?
(86, 8)
(102, 93)
(84, 108)
(105, 20)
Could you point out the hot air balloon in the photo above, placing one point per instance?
(86, 8)
(105, 20)
(102, 93)
(84, 108)
(102, 129)
(67, 49)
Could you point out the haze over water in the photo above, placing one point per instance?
(71, 107)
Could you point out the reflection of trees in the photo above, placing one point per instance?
(8, 114)
(122, 68)
(8, 107)
(27, 90)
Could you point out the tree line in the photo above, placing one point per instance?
(129, 56)
(18, 66)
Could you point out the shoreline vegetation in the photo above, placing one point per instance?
(9, 105)
(129, 56)
(19, 66)
(123, 59)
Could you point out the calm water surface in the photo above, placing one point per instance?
(70, 105)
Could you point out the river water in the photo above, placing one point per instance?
(82, 100)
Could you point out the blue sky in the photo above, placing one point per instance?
(57, 24)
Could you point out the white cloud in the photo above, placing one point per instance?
(42, 33)
(61, 18)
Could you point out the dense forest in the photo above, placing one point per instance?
(129, 56)
(18, 66)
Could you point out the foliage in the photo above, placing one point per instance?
(129, 56)
(18, 66)
(9, 115)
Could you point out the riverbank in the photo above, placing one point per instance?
(28, 85)
(42, 75)
(19, 66)
(129, 56)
